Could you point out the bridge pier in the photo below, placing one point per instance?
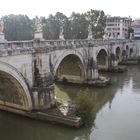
(43, 92)
(92, 74)
(92, 71)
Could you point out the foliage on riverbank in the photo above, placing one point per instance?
(84, 106)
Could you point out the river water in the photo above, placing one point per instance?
(116, 118)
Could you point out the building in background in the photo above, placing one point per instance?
(117, 27)
(136, 28)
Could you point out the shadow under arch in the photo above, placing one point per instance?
(102, 59)
(14, 91)
(118, 53)
(71, 68)
(127, 47)
(131, 52)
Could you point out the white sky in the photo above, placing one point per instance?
(45, 7)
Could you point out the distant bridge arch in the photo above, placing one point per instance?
(118, 53)
(102, 59)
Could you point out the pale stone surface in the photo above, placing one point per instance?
(23, 64)
(2, 36)
(1, 26)
(38, 24)
(36, 60)
(38, 34)
(9, 69)
(61, 35)
(90, 31)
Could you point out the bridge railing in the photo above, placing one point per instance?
(16, 47)
(65, 42)
(108, 41)
(50, 45)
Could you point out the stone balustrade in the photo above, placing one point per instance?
(30, 46)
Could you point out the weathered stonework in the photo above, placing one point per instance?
(34, 64)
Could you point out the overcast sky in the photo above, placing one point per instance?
(46, 7)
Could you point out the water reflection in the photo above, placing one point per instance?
(19, 128)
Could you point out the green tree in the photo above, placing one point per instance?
(51, 28)
(77, 26)
(18, 27)
(97, 19)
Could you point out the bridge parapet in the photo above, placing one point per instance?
(31, 46)
(27, 47)
(66, 42)
(99, 42)
(15, 48)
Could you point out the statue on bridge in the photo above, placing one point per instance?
(38, 24)
(2, 36)
(90, 31)
(1, 26)
(38, 34)
(61, 35)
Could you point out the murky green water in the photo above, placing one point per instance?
(117, 117)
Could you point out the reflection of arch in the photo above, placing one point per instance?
(118, 53)
(71, 68)
(18, 95)
(102, 59)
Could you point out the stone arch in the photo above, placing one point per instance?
(70, 66)
(18, 95)
(118, 53)
(102, 59)
(131, 52)
(127, 51)
(124, 55)
(63, 55)
(127, 47)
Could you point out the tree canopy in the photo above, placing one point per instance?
(21, 27)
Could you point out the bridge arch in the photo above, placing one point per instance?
(127, 51)
(18, 95)
(118, 53)
(102, 59)
(127, 47)
(131, 52)
(70, 66)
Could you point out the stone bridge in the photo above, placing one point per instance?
(28, 68)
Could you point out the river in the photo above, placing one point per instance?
(117, 114)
